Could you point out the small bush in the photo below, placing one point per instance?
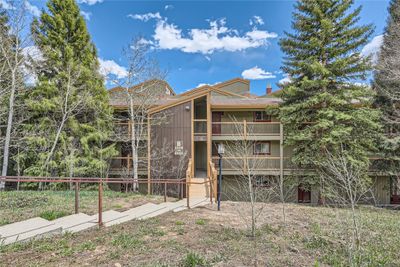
(200, 222)
(194, 260)
(179, 223)
(126, 241)
(52, 214)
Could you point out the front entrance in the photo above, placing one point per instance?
(303, 194)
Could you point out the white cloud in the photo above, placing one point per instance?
(34, 10)
(145, 17)
(6, 5)
(168, 7)
(110, 67)
(89, 2)
(203, 84)
(257, 73)
(286, 79)
(372, 48)
(206, 41)
(33, 57)
(256, 20)
(86, 15)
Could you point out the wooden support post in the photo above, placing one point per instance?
(245, 129)
(187, 195)
(165, 191)
(100, 203)
(76, 197)
(211, 193)
(181, 185)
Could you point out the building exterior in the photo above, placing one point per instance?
(190, 126)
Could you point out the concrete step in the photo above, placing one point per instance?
(107, 217)
(164, 207)
(72, 221)
(193, 203)
(33, 234)
(23, 227)
(135, 213)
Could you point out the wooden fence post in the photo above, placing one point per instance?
(76, 197)
(165, 191)
(101, 203)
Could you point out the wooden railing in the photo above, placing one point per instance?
(124, 129)
(245, 128)
(126, 164)
(188, 181)
(258, 163)
(200, 126)
(213, 181)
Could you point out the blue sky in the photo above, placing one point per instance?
(193, 39)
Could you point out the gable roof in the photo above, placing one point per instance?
(119, 88)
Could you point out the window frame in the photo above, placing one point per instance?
(262, 153)
(263, 117)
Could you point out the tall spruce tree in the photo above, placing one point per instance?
(71, 115)
(387, 86)
(324, 109)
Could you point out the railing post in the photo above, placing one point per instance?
(100, 203)
(245, 129)
(76, 197)
(165, 191)
(187, 195)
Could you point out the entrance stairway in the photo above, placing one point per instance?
(36, 228)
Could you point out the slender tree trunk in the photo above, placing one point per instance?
(9, 128)
(134, 147)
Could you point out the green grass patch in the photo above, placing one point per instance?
(52, 214)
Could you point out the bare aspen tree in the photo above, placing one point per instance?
(347, 185)
(251, 186)
(13, 41)
(141, 87)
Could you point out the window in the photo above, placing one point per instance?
(261, 116)
(262, 148)
(263, 181)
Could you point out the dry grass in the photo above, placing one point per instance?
(21, 205)
(314, 236)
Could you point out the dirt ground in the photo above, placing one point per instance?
(310, 236)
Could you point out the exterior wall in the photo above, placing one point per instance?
(176, 127)
(381, 190)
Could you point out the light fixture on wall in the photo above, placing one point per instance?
(187, 108)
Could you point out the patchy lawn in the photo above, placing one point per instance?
(21, 205)
(314, 236)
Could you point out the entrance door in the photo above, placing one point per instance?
(216, 117)
(303, 195)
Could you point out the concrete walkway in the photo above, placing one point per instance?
(38, 227)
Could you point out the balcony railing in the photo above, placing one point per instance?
(200, 126)
(244, 128)
(256, 163)
(125, 164)
(124, 129)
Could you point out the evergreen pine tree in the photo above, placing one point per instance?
(323, 109)
(70, 109)
(387, 86)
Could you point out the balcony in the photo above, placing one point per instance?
(262, 165)
(123, 166)
(248, 130)
(123, 130)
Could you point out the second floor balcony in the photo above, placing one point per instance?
(235, 130)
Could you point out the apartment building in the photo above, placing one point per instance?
(188, 127)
